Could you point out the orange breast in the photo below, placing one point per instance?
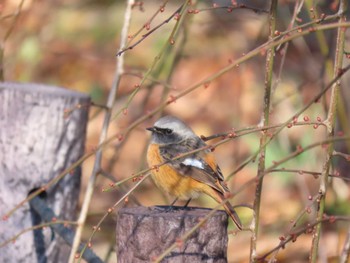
(167, 179)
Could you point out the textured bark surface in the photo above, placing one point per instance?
(38, 140)
(143, 233)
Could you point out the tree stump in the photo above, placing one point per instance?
(143, 233)
(42, 132)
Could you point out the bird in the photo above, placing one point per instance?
(182, 175)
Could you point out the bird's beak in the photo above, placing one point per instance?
(152, 129)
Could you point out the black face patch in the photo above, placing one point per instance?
(165, 135)
(164, 131)
(170, 138)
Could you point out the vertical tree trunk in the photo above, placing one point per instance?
(42, 132)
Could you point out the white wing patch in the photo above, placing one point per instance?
(193, 162)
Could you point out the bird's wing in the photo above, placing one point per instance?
(200, 166)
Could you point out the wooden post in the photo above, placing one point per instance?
(143, 233)
(42, 132)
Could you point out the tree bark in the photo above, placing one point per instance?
(144, 233)
(42, 132)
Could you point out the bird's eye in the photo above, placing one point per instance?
(168, 131)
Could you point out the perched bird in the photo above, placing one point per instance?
(185, 177)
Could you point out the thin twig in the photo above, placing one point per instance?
(314, 174)
(15, 17)
(344, 257)
(143, 37)
(264, 138)
(114, 180)
(344, 155)
(297, 8)
(230, 8)
(251, 129)
(42, 225)
(306, 229)
(285, 159)
(110, 210)
(306, 210)
(170, 41)
(97, 165)
(7, 35)
(147, 25)
(290, 120)
(331, 125)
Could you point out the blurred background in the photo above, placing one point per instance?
(73, 44)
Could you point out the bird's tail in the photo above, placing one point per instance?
(227, 206)
(232, 213)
